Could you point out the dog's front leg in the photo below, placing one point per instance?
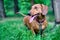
(30, 26)
(43, 27)
(32, 30)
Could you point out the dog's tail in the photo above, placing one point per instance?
(21, 14)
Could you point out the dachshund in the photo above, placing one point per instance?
(36, 21)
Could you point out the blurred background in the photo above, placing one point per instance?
(12, 26)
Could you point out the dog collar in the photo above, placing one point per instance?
(40, 21)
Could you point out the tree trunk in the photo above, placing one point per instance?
(2, 10)
(32, 2)
(56, 9)
(16, 9)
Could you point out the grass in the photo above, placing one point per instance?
(14, 29)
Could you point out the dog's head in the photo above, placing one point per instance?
(38, 10)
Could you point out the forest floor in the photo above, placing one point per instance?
(14, 29)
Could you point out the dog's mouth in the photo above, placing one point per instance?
(33, 17)
(39, 16)
(36, 15)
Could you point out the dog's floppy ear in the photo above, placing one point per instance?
(44, 9)
(32, 18)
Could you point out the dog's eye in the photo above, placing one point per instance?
(35, 8)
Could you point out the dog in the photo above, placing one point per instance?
(36, 21)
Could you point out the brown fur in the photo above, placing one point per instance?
(34, 25)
